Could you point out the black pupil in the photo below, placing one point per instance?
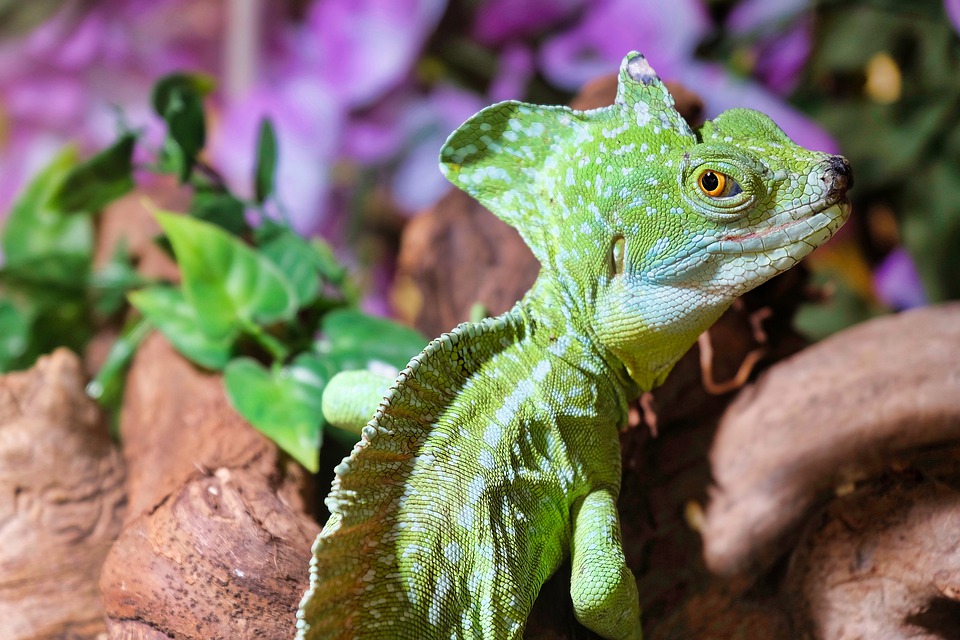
(710, 181)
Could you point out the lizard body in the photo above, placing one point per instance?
(494, 455)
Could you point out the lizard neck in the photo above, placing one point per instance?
(567, 334)
(635, 340)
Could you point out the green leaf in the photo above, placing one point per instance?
(167, 310)
(283, 404)
(107, 387)
(57, 317)
(221, 209)
(355, 340)
(844, 308)
(67, 273)
(295, 258)
(92, 185)
(931, 228)
(47, 258)
(178, 99)
(36, 232)
(14, 334)
(195, 83)
(230, 286)
(112, 281)
(186, 128)
(266, 160)
(326, 262)
(321, 255)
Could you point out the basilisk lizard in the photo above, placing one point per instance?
(494, 455)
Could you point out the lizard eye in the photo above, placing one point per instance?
(718, 185)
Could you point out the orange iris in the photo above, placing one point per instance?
(712, 183)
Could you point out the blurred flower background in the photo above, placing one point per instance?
(363, 92)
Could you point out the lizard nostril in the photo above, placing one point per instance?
(838, 176)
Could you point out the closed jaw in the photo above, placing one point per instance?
(784, 229)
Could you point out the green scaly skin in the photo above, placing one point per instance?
(494, 456)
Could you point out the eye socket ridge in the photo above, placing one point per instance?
(717, 185)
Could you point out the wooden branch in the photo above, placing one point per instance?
(217, 540)
(834, 414)
(61, 502)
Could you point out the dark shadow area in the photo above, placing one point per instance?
(941, 617)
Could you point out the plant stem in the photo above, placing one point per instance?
(275, 347)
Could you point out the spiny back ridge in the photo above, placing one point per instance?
(343, 581)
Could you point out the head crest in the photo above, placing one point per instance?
(640, 88)
(518, 159)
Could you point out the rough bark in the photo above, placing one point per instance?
(61, 502)
(216, 542)
(836, 413)
(128, 222)
(882, 562)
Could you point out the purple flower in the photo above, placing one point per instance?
(346, 56)
(668, 31)
(953, 12)
(499, 21)
(52, 101)
(418, 182)
(62, 81)
(404, 118)
(897, 282)
(782, 29)
(25, 153)
(69, 41)
(515, 69)
(377, 134)
(308, 121)
(362, 48)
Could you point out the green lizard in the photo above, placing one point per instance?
(494, 455)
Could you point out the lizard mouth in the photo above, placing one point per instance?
(787, 228)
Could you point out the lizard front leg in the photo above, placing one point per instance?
(351, 397)
(603, 589)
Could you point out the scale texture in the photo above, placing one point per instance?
(494, 455)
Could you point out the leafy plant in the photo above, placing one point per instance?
(46, 271)
(267, 307)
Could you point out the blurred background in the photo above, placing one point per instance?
(363, 92)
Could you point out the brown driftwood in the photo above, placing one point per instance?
(216, 541)
(882, 562)
(216, 538)
(128, 222)
(442, 256)
(836, 413)
(866, 414)
(62, 502)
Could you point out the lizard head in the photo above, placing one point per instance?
(745, 203)
(649, 230)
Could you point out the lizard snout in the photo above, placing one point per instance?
(837, 177)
